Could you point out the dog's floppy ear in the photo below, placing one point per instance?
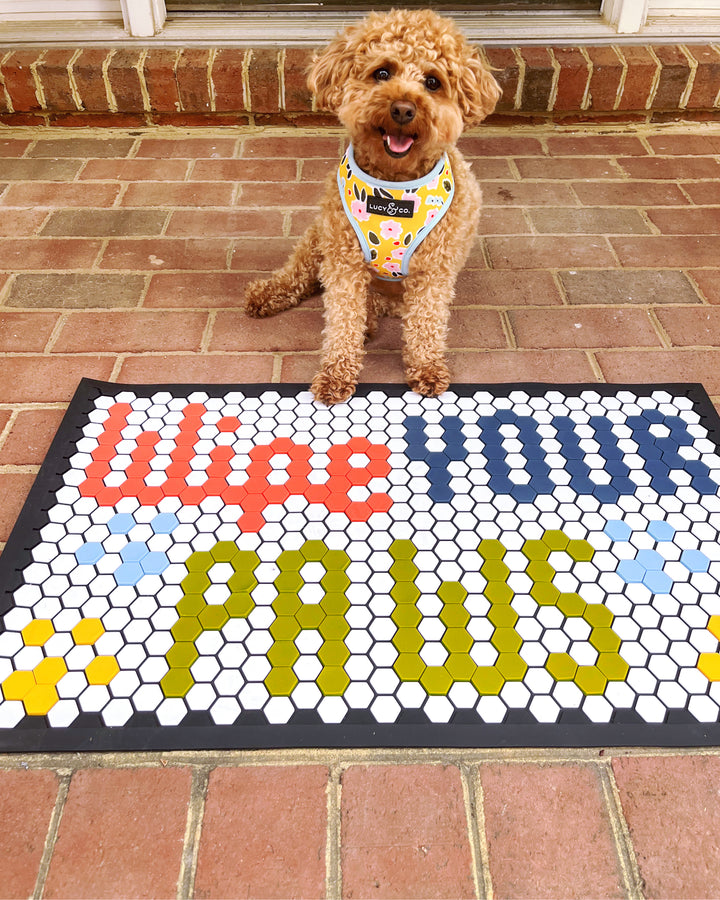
(329, 73)
(478, 92)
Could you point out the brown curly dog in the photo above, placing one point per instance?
(399, 216)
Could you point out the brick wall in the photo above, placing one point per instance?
(132, 87)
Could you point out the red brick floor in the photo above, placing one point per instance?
(123, 256)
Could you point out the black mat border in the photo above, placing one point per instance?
(359, 729)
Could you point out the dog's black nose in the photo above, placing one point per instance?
(403, 111)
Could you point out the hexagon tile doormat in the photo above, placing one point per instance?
(238, 566)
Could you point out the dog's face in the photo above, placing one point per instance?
(405, 85)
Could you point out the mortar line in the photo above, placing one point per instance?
(716, 101)
(3, 86)
(348, 757)
(693, 63)
(95, 265)
(527, 217)
(112, 102)
(118, 201)
(472, 792)
(539, 131)
(555, 83)
(119, 363)
(166, 224)
(211, 84)
(333, 865)
(193, 829)
(517, 100)
(247, 98)
(74, 90)
(207, 335)
(179, 105)
(508, 330)
(656, 78)
(659, 328)
(140, 69)
(630, 871)
(595, 365)
(55, 333)
(38, 232)
(135, 148)
(642, 211)
(559, 284)
(586, 98)
(144, 292)
(7, 288)
(229, 254)
(695, 285)
(623, 77)
(281, 78)
(28, 469)
(514, 170)
(31, 406)
(9, 425)
(485, 251)
(52, 835)
(482, 835)
(39, 87)
(684, 192)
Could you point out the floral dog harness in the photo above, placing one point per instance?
(391, 219)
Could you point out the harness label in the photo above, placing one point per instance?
(385, 206)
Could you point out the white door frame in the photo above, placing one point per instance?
(625, 16)
(145, 18)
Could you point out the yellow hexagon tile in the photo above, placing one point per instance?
(17, 685)
(40, 700)
(714, 626)
(709, 665)
(87, 631)
(50, 670)
(102, 670)
(37, 632)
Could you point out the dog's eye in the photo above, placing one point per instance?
(382, 74)
(432, 83)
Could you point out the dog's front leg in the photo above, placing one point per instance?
(345, 313)
(425, 321)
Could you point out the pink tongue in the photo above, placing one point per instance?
(399, 144)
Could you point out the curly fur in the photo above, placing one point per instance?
(412, 47)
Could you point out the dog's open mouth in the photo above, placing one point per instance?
(397, 146)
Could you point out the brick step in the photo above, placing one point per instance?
(134, 87)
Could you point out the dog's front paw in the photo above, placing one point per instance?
(430, 379)
(329, 387)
